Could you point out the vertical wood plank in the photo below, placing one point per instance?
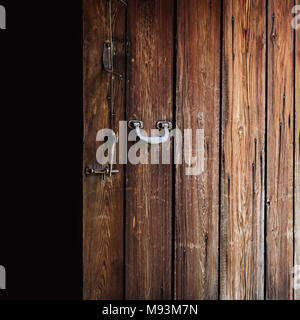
(198, 107)
(102, 200)
(149, 187)
(243, 149)
(280, 152)
(297, 157)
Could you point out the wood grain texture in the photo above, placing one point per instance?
(297, 157)
(280, 152)
(149, 187)
(198, 107)
(102, 214)
(243, 134)
(257, 156)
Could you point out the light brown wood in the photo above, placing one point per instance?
(243, 163)
(102, 214)
(198, 107)
(280, 151)
(297, 159)
(149, 187)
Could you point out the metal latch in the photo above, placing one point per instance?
(104, 172)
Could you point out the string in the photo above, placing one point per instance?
(111, 85)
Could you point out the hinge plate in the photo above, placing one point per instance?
(112, 57)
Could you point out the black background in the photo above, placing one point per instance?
(41, 134)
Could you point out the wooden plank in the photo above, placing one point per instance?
(149, 187)
(280, 151)
(198, 107)
(102, 214)
(243, 165)
(297, 158)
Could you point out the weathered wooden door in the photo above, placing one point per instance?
(231, 69)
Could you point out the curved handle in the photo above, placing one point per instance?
(152, 140)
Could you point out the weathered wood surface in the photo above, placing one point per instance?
(102, 214)
(227, 233)
(198, 107)
(149, 187)
(243, 134)
(279, 214)
(297, 158)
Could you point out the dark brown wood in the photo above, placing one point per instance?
(149, 187)
(255, 197)
(243, 164)
(280, 151)
(297, 159)
(102, 214)
(198, 107)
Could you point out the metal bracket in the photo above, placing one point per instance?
(107, 56)
(164, 124)
(133, 123)
(159, 125)
(109, 51)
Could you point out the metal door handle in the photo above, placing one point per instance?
(137, 125)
